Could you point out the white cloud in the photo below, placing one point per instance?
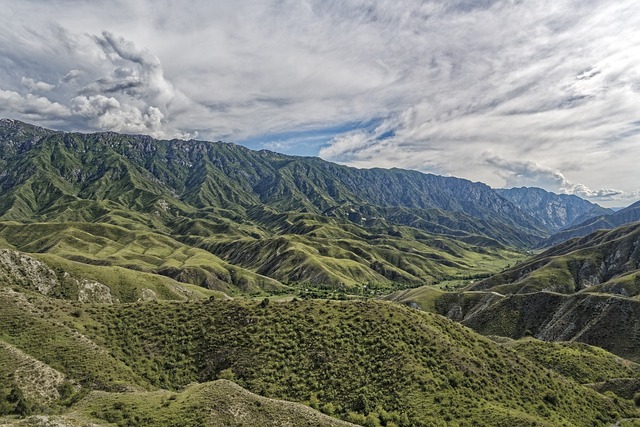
(34, 86)
(529, 174)
(31, 106)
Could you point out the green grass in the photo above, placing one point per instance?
(35, 325)
(249, 265)
(109, 245)
(128, 285)
(424, 297)
(214, 404)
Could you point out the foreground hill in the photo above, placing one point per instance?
(366, 362)
(214, 404)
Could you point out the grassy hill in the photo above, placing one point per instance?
(584, 363)
(220, 403)
(366, 362)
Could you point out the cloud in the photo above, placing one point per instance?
(71, 76)
(524, 174)
(108, 113)
(121, 88)
(31, 106)
(434, 85)
(518, 173)
(34, 86)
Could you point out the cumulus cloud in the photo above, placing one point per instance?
(517, 173)
(35, 86)
(31, 106)
(429, 85)
(108, 113)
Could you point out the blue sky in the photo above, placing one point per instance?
(511, 93)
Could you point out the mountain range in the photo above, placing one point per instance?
(604, 221)
(227, 218)
(554, 211)
(148, 282)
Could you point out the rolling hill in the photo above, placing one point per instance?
(584, 290)
(604, 261)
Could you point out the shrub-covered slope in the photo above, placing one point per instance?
(368, 362)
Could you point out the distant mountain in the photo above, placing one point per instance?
(44, 171)
(601, 222)
(554, 211)
(236, 220)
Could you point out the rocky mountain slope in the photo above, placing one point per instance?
(230, 219)
(554, 211)
(600, 222)
(46, 173)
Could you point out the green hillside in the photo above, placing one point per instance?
(215, 404)
(367, 362)
(584, 363)
(135, 277)
(605, 261)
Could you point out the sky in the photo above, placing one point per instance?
(510, 93)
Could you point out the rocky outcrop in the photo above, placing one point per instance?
(19, 269)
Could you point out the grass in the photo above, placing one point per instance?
(216, 404)
(114, 246)
(249, 265)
